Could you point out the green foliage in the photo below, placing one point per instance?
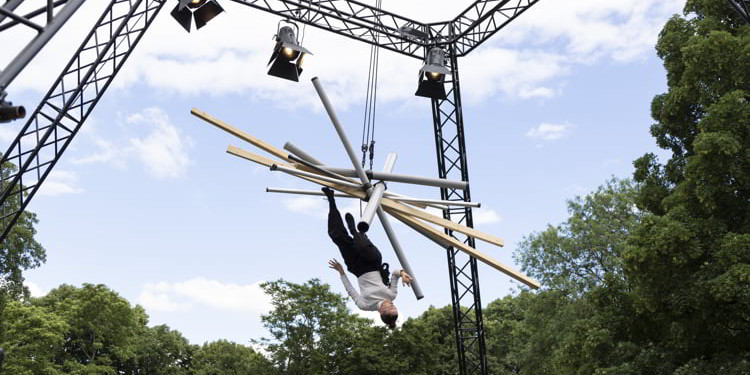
(33, 338)
(310, 327)
(585, 250)
(20, 251)
(227, 358)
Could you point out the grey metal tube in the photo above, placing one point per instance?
(393, 177)
(10, 6)
(293, 171)
(305, 192)
(315, 167)
(436, 201)
(289, 146)
(340, 130)
(27, 54)
(399, 252)
(373, 201)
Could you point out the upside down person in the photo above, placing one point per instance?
(377, 287)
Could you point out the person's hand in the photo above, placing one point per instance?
(334, 264)
(405, 278)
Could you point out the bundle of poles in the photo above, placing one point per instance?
(411, 211)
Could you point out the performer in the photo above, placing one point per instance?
(377, 287)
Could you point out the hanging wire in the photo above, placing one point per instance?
(368, 123)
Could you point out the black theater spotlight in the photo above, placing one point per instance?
(200, 10)
(432, 75)
(288, 54)
(8, 111)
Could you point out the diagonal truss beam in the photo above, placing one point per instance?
(477, 23)
(359, 21)
(742, 7)
(49, 131)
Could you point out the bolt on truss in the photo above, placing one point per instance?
(57, 119)
(447, 116)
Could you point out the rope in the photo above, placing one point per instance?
(368, 123)
(371, 96)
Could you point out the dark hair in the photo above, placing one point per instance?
(389, 320)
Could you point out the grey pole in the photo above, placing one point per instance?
(374, 198)
(10, 6)
(393, 177)
(363, 177)
(340, 130)
(399, 252)
(292, 171)
(31, 49)
(434, 201)
(289, 146)
(305, 192)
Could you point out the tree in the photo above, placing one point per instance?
(227, 358)
(689, 262)
(101, 326)
(585, 250)
(33, 338)
(311, 327)
(19, 251)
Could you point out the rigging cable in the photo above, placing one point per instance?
(368, 123)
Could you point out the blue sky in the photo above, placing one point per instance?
(147, 201)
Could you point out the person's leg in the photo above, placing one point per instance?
(338, 234)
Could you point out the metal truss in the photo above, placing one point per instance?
(57, 119)
(372, 25)
(8, 10)
(52, 126)
(448, 121)
(742, 7)
(359, 21)
(479, 22)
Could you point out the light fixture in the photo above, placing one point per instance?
(200, 10)
(432, 75)
(288, 54)
(9, 112)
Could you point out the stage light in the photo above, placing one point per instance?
(288, 55)
(9, 112)
(432, 75)
(201, 11)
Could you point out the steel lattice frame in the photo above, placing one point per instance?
(59, 116)
(742, 7)
(448, 123)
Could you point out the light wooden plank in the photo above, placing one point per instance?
(446, 240)
(257, 142)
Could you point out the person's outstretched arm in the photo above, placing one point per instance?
(334, 264)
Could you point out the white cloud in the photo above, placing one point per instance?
(230, 54)
(307, 205)
(152, 140)
(318, 206)
(60, 182)
(484, 216)
(549, 132)
(35, 290)
(164, 150)
(178, 296)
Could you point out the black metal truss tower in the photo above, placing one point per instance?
(448, 123)
(60, 115)
(57, 119)
(742, 7)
